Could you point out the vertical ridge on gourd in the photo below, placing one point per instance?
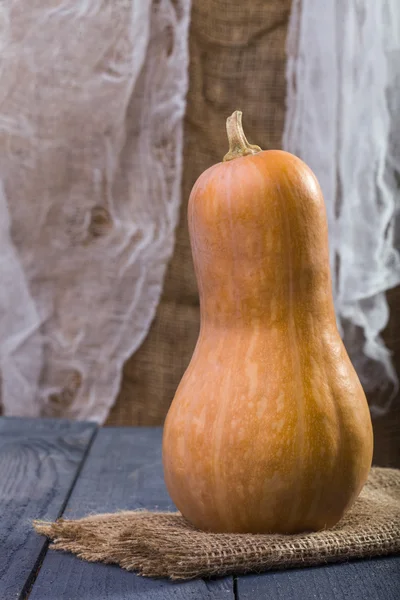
(269, 429)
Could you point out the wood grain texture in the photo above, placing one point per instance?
(123, 471)
(39, 461)
(359, 580)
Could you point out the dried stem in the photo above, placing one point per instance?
(238, 144)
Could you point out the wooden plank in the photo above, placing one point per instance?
(123, 471)
(357, 580)
(39, 461)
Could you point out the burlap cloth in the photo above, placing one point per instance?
(157, 544)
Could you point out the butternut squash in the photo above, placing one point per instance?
(269, 430)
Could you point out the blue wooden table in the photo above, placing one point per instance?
(50, 468)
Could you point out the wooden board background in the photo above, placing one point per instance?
(39, 463)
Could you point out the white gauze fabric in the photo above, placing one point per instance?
(343, 120)
(92, 99)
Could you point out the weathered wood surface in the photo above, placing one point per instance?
(376, 579)
(39, 461)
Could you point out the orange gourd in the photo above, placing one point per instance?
(269, 430)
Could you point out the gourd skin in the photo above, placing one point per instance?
(269, 430)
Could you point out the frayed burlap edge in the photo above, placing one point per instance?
(159, 544)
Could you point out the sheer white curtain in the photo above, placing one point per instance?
(343, 119)
(92, 99)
